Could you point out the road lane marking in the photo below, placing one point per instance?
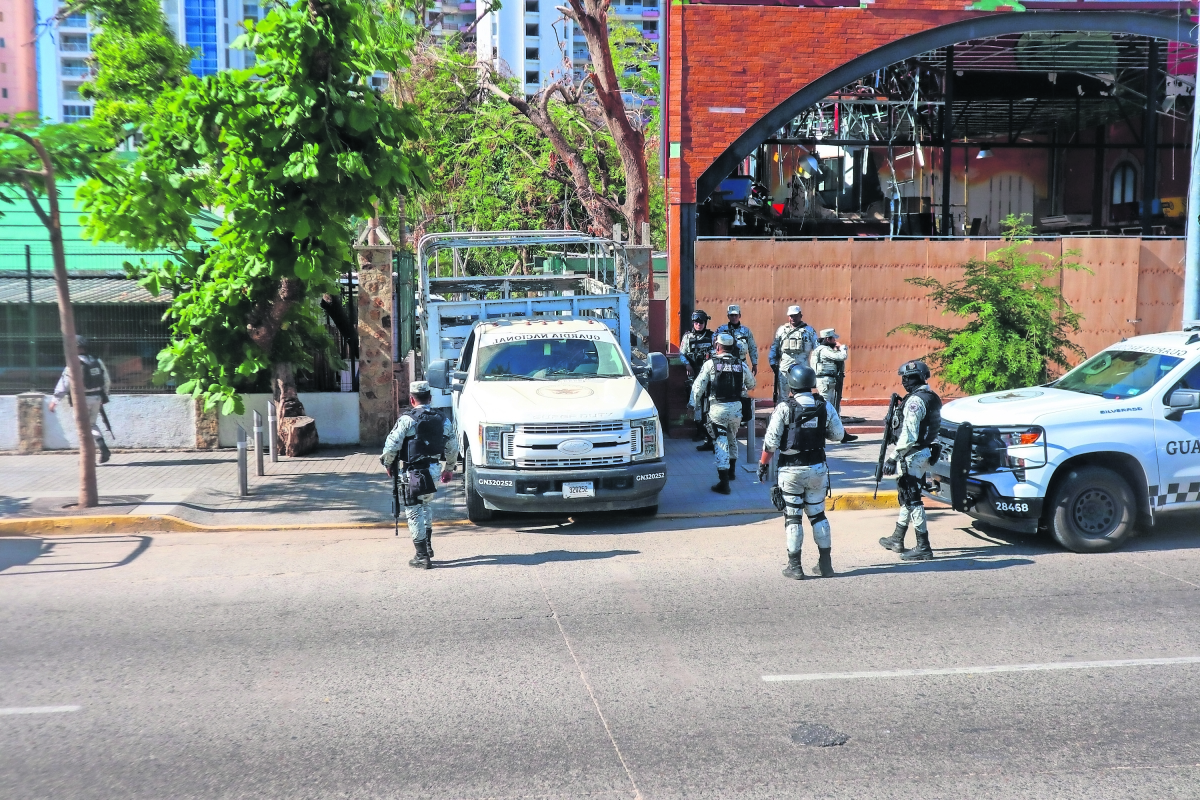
(1053, 666)
(4, 712)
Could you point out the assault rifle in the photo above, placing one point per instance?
(889, 436)
(396, 492)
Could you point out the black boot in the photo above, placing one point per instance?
(793, 569)
(421, 559)
(733, 469)
(105, 454)
(895, 542)
(707, 446)
(700, 435)
(848, 438)
(429, 542)
(922, 552)
(722, 486)
(824, 564)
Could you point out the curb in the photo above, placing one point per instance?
(126, 523)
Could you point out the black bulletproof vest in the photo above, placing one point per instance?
(427, 442)
(93, 375)
(727, 379)
(803, 441)
(700, 347)
(932, 423)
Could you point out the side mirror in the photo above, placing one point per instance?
(658, 367)
(1182, 400)
(438, 375)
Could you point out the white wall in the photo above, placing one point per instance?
(8, 422)
(150, 421)
(336, 414)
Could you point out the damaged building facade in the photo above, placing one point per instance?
(822, 152)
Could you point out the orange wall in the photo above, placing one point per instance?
(18, 57)
(858, 287)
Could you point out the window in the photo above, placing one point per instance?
(531, 6)
(1, 41)
(531, 77)
(1124, 184)
(1118, 374)
(71, 43)
(75, 21)
(71, 91)
(531, 54)
(531, 29)
(75, 68)
(550, 359)
(651, 26)
(76, 113)
(4, 93)
(3, 67)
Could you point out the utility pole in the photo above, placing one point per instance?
(1191, 259)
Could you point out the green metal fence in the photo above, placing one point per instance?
(406, 303)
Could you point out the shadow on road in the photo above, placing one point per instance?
(74, 554)
(531, 559)
(938, 564)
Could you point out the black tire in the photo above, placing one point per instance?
(477, 512)
(1093, 511)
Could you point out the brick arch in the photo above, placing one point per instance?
(736, 72)
(976, 28)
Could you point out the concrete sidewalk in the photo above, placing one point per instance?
(339, 488)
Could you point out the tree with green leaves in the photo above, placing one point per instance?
(1018, 323)
(33, 157)
(291, 152)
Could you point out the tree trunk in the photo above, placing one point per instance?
(283, 392)
(88, 497)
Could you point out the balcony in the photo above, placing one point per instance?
(650, 13)
(73, 44)
(466, 8)
(75, 69)
(651, 35)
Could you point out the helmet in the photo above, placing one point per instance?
(699, 316)
(800, 378)
(81, 343)
(725, 340)
(913, 374)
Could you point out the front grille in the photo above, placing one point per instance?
(574, 428)
(587, 461)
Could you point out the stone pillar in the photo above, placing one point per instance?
(207, 423)
(29, 422)
(376, 382)
(638, 270)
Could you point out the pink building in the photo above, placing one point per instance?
(18, 57)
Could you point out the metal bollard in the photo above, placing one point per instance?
(751, 462)
(273, 431)
(243, 487)
(258, 445)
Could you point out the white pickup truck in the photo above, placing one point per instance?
(537, 371)
(1112, 443)
(554, 419)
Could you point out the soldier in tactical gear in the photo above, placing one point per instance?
(793, 343)
(723, 381)
(96, 385)
(916, 450)
(743, 338)
(799, 428)
(422, 437)
(697, 347)
(828, 360)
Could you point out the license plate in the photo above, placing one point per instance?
(578, 489)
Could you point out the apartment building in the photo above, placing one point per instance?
(531, 40)
(18, 65)
(64, 50)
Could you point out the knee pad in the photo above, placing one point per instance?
(813, 519)
(789, 519)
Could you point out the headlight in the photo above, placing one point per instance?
(497, 444)
(1009, 447)
(646, 438)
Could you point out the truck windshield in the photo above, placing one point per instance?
(550, 359)
(1118, 374)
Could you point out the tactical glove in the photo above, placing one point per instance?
(763, 470)
(889, 467)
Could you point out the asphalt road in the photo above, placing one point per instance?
(609, 658)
